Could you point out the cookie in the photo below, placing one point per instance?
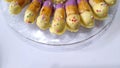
(100, 9)
(86, 15)
(17, 5)
(32, 11)
(43, 20)
(73, 18)
(58, 25)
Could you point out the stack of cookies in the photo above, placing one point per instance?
(61, 15)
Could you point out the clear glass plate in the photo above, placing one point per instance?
(33, 33)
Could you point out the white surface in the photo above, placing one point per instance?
(16, 53)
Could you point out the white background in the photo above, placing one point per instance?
(17, 53)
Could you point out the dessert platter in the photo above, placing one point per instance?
(59, 22)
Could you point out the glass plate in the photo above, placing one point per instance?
(33, 33)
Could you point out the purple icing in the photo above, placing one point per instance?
(49, 0)
(78, 1)
(71, 2)
(48, 3)
(59, 6)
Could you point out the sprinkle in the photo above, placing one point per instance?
(74, 20)
(57, 30)
(54, 25)
(98, 10)
(58, 19)
(92, 17)
(43, 17)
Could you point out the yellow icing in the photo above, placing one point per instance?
(8, 0)
(58, 27)
(110, 2)
(43, 23)
(101, 10)
(73, 26)
(17, 5)
(14, 8)
(87, 19)
(29, 16)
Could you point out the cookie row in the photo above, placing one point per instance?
(69, 16)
